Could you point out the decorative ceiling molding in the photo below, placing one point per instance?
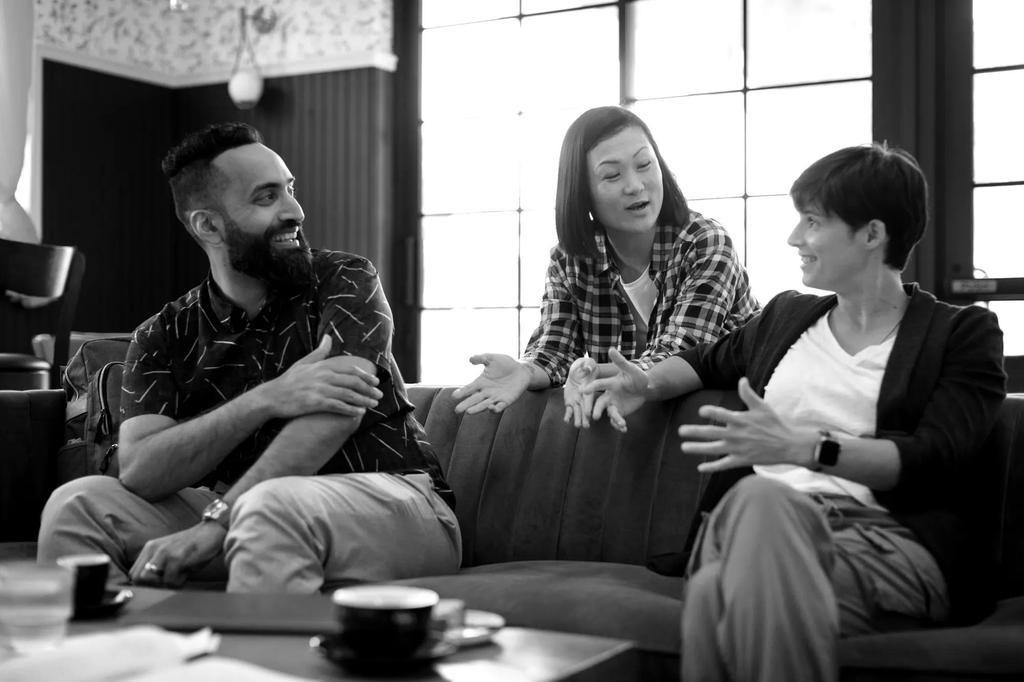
(144, 40)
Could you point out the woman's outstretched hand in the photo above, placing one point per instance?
(501, 383)
(579, 405)
(623, 392)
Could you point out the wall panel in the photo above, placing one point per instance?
(104, 137)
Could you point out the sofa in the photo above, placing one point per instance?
(559, 526)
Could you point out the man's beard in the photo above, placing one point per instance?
(287, 269)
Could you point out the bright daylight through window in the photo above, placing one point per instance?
(737, 113)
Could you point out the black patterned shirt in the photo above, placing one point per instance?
(703, 292)
(202, 350)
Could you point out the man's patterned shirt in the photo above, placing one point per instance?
(703, 293)
(202, 350)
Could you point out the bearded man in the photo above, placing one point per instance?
(267, 436)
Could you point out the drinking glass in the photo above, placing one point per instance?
(35, 604)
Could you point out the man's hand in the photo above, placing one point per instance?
(624, 391)
(317, 383)
(501, 383)
(756, 436)
(579, 405)
(169, 560)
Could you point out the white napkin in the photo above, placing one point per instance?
(109, 655)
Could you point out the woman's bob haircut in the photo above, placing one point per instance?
(573, 204)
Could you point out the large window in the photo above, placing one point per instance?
(740, 94)
(999, 154)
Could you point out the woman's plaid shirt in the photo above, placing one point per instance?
(703, 293)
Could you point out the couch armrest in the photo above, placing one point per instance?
(31, 433)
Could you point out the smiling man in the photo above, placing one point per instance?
(267, 436)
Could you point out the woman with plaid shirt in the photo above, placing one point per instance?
(634, 269)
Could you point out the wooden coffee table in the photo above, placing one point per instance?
(515, 654)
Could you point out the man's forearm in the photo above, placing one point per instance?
(173, 458)
(304, 445)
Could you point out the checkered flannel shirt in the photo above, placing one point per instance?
(703, 293)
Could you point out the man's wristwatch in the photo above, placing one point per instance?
(826, 451)
(217, 511)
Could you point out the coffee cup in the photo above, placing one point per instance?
(90, 578)
(35, 604)
(383, 621)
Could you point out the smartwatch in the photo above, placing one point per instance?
(826, 452)
(217, 511)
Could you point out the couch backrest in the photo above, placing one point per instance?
(1006, 450)
(529, 486)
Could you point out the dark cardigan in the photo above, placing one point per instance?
(941, 390)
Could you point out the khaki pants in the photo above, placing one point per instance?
(778, 576)
(289, 534)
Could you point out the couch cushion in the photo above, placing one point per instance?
(528, 486)
(990, 648)
(589, 597)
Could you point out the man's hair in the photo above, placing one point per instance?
(865, 183)
(188, 165)
(573, 203)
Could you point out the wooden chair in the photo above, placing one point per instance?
(45, 271)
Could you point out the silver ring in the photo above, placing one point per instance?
(150, 567)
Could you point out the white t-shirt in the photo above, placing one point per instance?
(643, 294)
(819, 384)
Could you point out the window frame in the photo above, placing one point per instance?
(922, 87)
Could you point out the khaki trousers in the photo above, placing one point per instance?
(778, 576)
(289, 534)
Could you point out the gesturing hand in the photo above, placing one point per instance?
(317, 383)
(500, 384)
(756, 436)
(170, 559)
(623, 394)
(579, 405)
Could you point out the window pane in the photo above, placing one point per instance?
(729, 213)
(773, 265)
(529, 318)
(542, 141)
(470, 165)
(570, 59)
(999, 230)
(705, 165)
(708, 58)
(470, 69)
(796, 41)
(450, 337)
(1011, 321)
(998, 134)
(441, 12)
(537, 239)
(471, 260)
(790, 128)
(997, 25)
(531, 6)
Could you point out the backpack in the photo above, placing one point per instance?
(92, 385)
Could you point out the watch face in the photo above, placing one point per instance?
(828, 452)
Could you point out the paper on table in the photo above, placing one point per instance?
(109, 655)
(216, 669)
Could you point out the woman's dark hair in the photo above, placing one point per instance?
(187, 166)
(865, 183)
(573, 203)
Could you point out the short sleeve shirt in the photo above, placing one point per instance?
(202, 350)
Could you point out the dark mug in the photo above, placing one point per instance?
(383, 621)
(90, 576)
